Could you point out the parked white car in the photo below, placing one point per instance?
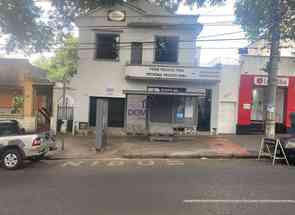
(16, 146)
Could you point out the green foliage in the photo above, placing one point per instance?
(20, 19)
(29, 32)
(255, 18)
(17, 105)
(65, 61)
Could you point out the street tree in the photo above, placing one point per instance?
(272, 20)
(22, 24)
(22, 28)
(63, 65)
(64, 62)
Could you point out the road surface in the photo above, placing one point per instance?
(148, 187)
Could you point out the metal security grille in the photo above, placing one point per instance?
(65, 113)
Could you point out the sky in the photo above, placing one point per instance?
(217, 20)
(214, 16)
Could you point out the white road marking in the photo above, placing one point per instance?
(146, 163)
(175, 163)
(115, 163)
(94, 163)
(240, 201)
(120, 162)
(72, 163)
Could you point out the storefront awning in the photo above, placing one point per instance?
(164, 93)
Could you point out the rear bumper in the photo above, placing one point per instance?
(41, 150)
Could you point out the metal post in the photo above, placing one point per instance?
(101, 123)
(63, 107)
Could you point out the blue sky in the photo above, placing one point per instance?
(228, 50)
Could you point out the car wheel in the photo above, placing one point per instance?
(11, 159)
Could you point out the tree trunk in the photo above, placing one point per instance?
(64, 88)
(273, 70)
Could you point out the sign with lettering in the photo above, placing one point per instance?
(166, 90)
(117, 15)
(166, 72)
(172, 72)
(247, 106)
(263, 81)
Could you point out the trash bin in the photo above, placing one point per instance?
(292, 119)
(290, 150)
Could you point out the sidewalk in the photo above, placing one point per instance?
(195, 147)
(227, 146)
(77, 147)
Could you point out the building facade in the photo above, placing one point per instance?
(25, 94)
(252, 93)
(144, 63)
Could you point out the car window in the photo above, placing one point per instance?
(8, 129)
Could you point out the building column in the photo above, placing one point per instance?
(28, 98)
(214, 109)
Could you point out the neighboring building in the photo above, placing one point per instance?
(252, 92)
(225, 61)
(262, 48)
(143, 62)
(25, 94)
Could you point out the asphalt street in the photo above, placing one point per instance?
(148, 187)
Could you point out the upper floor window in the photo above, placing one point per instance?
(136, 53)
(107, 46)
(166, 49)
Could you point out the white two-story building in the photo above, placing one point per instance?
(143, 62)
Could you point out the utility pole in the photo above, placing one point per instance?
(274, 60)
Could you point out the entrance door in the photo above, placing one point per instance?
(160, 109)
(116, 111)
(204, 112)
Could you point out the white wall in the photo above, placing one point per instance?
(262, 48)
(228, 99)
(254, 65)
(101, 78)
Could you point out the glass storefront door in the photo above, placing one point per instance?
(257, 111)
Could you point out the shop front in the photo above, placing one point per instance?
(164, 111)
(252, 99)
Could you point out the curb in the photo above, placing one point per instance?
(157, 157)
(192, 156)
(68, 158)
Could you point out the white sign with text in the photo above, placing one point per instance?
(263, 81)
